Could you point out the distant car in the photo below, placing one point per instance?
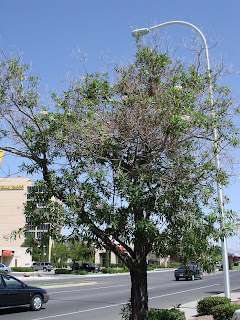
(218, 265)
(190, 272)
(87, 266)
(45, 266)
(14, 292)
(5, 268)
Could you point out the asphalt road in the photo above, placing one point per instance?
(104, 299)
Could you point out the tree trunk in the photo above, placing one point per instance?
(139, 293)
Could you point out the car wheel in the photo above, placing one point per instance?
(44, 269)
(36, 302)
(192, 277)
(49, 270)
(177, 278)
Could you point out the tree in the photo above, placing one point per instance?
(60, 254)
(132, 160)
(32, 248)
(36, 247)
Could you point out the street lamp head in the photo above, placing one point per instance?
(140, 32)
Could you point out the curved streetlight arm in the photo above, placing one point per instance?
(144, 31)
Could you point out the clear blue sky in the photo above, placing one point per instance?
(47, 32)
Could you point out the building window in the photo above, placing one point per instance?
(30, 227)
(43, 227)
(39, 235)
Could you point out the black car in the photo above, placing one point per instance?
(86, 266)
(14, 292)
(190, 272)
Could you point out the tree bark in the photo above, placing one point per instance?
(139, 293)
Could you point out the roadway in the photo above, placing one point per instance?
(104, 298)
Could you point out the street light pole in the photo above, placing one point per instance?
(144, 31)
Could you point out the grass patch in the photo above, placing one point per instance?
(235, 267)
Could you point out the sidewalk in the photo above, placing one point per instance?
(191, 312)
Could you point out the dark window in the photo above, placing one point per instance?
(1, 282)
(12, 283)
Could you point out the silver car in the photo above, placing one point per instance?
(45, 266)
(5, 268)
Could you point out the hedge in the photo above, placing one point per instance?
(22, 269)
(63, 271)
(111, 270)
(67, 271)
(204, 306)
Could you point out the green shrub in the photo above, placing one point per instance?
(3, 271)
(111, 270)
(224, 311)
(122, 266)
(236, 264)
(174, 265)
(204, 306)
(67, 271)
(154, 314)
(79, 272)
(165, 314)
(126, 311)
(63, 271)
(22, 269)
(153, 266)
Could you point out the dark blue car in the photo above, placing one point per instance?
(14, 292)
(190, 272)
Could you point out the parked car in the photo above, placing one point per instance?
(86, 266)
(45, 266)
(5, 268)
(218, 265)
(14, 292)
(189, 272)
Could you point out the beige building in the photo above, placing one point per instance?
(100, 258)
(13, 195)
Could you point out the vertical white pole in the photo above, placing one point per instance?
(140, 32)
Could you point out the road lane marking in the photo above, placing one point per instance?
(119, 304)
(88, 289)
(169, 294)
(81, 311)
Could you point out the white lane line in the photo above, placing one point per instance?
(170, 294)
(88, 289)
(76, 312)
(118, 304)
